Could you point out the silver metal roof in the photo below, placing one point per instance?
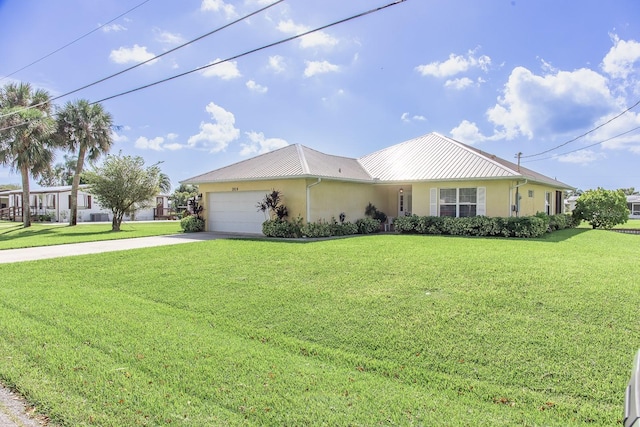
(292, 161)
(430, 157)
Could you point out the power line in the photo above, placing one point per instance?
(584, 134)
(142, 63)
(588, 146)
(74, 41)
(288, 39)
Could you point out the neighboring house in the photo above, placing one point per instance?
(54, 202)
(429, 175)
(633, 203)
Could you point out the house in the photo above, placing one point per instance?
(54, 203)
(633, 203)
(429, 175)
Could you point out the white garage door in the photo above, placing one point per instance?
(236, 212)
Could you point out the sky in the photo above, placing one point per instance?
(543, 78)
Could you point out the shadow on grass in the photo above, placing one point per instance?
(555, 237)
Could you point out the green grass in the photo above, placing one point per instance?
(376, 330)
(13, 235)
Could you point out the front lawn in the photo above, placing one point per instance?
(374, 330)
(13, 235)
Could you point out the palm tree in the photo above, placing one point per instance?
(86, 129)
(26, 127)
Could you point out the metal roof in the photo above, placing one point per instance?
(430, 157)
(292, 161)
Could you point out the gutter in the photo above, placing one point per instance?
(517, 201)
(309, 197)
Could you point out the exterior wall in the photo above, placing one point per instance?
(331, 198)
(327, 198)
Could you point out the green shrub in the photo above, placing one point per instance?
(343, 228)
(191, 224)
(367, 225)
(281, 228)
(316, 229)
(483, 226)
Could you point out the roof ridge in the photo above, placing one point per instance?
(303, 159)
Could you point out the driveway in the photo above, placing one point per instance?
(44, 252)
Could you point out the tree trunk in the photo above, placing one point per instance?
(26, 210)
(73, 209)
(115, 223)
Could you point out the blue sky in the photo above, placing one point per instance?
(502, 76)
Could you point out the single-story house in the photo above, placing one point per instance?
(55, 202)
(429, 175)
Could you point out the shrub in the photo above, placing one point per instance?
(281, 228)
(483, 226)
(372, 212)
(191, 224)
(367, 225)
(602, 208)
(316, 229)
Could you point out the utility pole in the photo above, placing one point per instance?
(518, 155)
(517, 205)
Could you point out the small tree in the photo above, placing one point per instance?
(602, 208)
(181, 195)
(124, 185)
(272, 205)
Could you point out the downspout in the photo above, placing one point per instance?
(517, 205)
(309, 197)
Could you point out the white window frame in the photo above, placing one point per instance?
(477, 200)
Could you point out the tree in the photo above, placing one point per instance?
(631, 191)
(86, 129)
(181, 195)
(602, 208)
(60, 174)
(124, 185)
(25, 138)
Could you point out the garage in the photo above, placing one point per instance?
(235, 212)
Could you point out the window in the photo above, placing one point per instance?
(547, 203)
(50, 201)
(530, 193)
(84, 201)
(458, 202)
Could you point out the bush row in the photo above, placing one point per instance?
(290, 229)
(530, 226)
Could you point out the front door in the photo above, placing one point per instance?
(404, 202)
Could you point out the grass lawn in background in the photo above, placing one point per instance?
(13, 235)
(375, 330)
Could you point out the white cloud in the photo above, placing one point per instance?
(218, 6)
(113, 28)
(459, 84)
(621, 59)
(456, 64)
(255, 87)
(552, 104)
(171, 136)
(134, 54)
(169, 38)
(319, 67)
(216, 136)
(467, 132)
(259, 144)
(581, 157)
(276, 63)
(118, 138)
(173, 146)
(225, 70)
(145, 143)
(316, 39)
(407, 118)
